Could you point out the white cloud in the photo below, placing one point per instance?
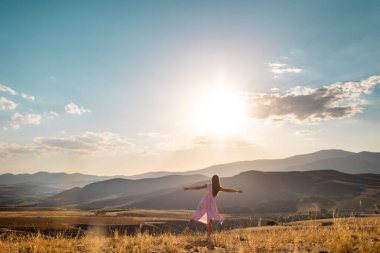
(6, 104)
(8, 90)
(281, 68)
(29, 119)
(275, 89)
(302, 104)
(13, 92)
(26, 96)
(72, 108)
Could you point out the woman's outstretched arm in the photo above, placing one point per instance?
(229, 190)
(195, 187)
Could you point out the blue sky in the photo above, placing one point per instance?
(133, 70)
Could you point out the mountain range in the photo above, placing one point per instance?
(334, 159)
(276, 191)
(325, 178)
(53, 180)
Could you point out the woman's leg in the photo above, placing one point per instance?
(209, 228)
(191, 222)
(187, 228)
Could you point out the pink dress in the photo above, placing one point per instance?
(207, 209)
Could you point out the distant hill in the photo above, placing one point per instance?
(333, 159)
(363, 162)
(23, 194)
(155, 174)
(57, 181)
(118, 187)
(231, 169)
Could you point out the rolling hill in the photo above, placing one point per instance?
(119, 188)
(22, 194)
(281, 191)
(263, 192)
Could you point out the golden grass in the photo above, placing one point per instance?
(345, 235)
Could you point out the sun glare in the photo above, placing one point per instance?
(219, 113)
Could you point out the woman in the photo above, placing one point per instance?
(207, 210)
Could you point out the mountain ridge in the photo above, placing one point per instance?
(305, 158)
(72, 187)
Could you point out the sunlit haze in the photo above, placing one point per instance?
(220, 112)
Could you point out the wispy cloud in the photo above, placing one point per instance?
(281, 68)
(72, 108)
(153, 135)
(90, 142)
(26, 96)
(7, 90)
(50, 115)
(302, 104)
(87, 143)
(305, 134)
(6, 104)
(9, 150)
(18, 119)
(229, 140)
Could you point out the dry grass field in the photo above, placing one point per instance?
(335, 235)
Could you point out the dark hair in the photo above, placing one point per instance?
(215, 185)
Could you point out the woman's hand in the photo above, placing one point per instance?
(195, 187)
(229, 190)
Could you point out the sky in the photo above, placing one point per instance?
(127, 87)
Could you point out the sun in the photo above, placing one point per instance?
(220, 113)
